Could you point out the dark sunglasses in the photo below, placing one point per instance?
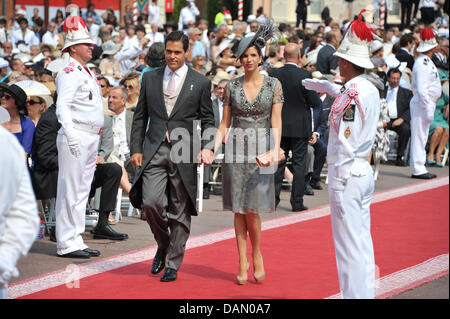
(6, 96)
(31, 102)
(102, 85)
(128, 87)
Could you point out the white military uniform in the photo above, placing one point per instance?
(19, 219)
(350, 187)
(427, 89)
(80, 111)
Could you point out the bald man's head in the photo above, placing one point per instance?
(292, 52)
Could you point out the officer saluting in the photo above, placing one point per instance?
(427, 90)
(353, 125)
(79, 109)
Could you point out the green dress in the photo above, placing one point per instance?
(439, 119)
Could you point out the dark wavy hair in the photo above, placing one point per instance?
(178, 36)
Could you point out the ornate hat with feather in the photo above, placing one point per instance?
(265, 33)
(355, 45)
(76, 32)
(427, 40)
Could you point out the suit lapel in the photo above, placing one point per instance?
(158, 89)
(186, 89)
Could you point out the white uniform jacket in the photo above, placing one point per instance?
(19, 219)
(425, 85)
(353, 141)
(79, 99)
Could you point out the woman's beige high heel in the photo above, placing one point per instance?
(259, 276)
(243, 280)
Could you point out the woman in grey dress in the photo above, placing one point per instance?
(252, 107)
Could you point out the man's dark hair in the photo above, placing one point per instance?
(22, 19)
(39, 22)
(178, 36)
(406, 39)
(394, 70)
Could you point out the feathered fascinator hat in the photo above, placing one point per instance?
(355, 45)
(75, 32)
(427, 40)
(265, 33)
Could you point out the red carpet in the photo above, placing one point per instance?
(299, 258)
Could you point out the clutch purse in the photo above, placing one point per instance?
(263, 160)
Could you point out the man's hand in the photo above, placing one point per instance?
(313, 139)
(397, 122)
(136, 159)
(100, 160)
(206, 157)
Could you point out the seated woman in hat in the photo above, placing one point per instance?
(14, 99)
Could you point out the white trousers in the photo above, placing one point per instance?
(74, 184)
(420, 124)
(352, 239)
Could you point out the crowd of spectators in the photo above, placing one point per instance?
(28, 52)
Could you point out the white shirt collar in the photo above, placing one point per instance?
(179, 72)
(390, 88)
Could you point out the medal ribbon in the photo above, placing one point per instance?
(341, 105)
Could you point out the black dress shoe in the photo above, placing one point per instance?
(159, 261)
(76, 254)
(308, 190)
(106, 232)
(169, 275)
(299, 208)
(205, 196)
(316, 185)
(424, 176)
(92, 252)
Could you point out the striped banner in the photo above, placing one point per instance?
(241, 10)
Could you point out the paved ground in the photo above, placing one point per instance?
(42, 256)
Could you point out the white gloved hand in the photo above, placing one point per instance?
(336, 200)
(75, 149)
(6, 273)
(323, 86)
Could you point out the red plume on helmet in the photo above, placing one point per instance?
(362, 29)
(426, 34)
(71, 23)
(355, 44)
(76, 32)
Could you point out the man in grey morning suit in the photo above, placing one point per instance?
(164, 188)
